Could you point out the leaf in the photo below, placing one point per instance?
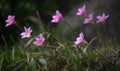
(1, 62)
(16, 63)
(43, 61)
(61, 44)
(13, 54)
(28, 44)
(20, 66)
(48, 36)
(28, 57)
(32, 65)
(1, 55)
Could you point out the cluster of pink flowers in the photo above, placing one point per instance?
(27, 31)
(82, 11)
(38, 42)
(89, 19)
(56, 19)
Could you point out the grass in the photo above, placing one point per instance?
(59, 56)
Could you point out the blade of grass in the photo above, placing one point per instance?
(13, 54)
(1, 63)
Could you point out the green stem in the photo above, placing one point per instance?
(98, 33)
(69, 26)
(4, 40)
(40, 24)
(19, 26)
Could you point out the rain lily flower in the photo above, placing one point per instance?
(57, 17)
(39, 41)
(80, 39)
(102, 18)
(89, 19)
(10, 20)
(26, 33)
(81, 11)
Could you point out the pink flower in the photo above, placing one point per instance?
(10, 20)
(26, 33)
(89, 19)
(81, 11)
(80, 39)
(102, 18)
(39, 41)
(57, 17)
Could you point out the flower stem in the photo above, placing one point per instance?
(69, 26)
(18, 26)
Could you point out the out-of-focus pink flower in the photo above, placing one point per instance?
(89, 19)
(102, 18)
(10, 20)
(37, 14)
(57, 17)
(39, 41)
(26, 33)
(81, 11)
(80, 39)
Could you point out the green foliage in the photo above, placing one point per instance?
(60, 57)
